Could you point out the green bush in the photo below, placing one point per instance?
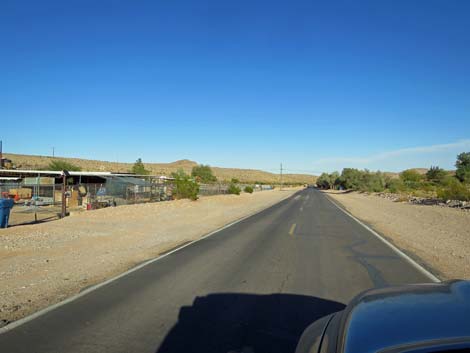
(363, 180)
(395, 185)
(351, 178)
(59, 165)
(463, 167)
(203, 173)
(185, 187)
(372, 182)
(233, 189)
(249, 189)
(436, 174)
(411, 178)
(454, 190)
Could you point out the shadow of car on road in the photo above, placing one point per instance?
(237, 322)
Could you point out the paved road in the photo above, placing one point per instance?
(252, 287)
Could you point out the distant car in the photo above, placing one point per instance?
(412, 318)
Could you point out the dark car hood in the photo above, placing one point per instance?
(388, 317)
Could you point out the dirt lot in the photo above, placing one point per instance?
(439, 236)
(28, 215)
(44, 263)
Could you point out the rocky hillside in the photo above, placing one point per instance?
(223, 174)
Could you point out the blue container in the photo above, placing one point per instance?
(5, 206)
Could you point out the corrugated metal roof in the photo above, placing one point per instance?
(58, 173)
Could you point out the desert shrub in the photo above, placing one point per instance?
(185, 186)
(139, 168)
(372, 182)
(351, 178)
(234, 189)
(395, 185)
(203, 173)
(454, 190)
(59, 164)
(410, 175)
(362, 180)
(235, 181)
(435, 174)
(411, 178)
(249, 189)
(463, 167)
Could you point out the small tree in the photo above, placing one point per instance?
(59, 164)
(235, 181)
(203, 173)
(463, 167)
(185, 187)
(436, 174)
(139, 168)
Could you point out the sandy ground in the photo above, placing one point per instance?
(438, 236)
(21, 215)
(42, 264)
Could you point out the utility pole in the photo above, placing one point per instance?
(53, 151)
(281, 176)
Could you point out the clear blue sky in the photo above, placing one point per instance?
(315, 85)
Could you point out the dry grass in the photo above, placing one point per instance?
(223, 174)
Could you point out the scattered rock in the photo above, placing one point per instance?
(427, 201)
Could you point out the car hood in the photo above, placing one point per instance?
(395, 316)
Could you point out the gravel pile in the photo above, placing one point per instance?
(426, 201)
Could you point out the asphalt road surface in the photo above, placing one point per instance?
(252, 287)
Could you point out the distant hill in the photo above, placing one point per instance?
(222, 174)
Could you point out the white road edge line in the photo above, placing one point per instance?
(385, 241)
(90, 289)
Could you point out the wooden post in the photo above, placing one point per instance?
(64, 198)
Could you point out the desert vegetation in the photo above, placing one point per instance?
(139, 168)
(248, 176)
(233, 187)
(248, 189)
(185, 186)
(60, 165)
(203, 174)
(436, 182)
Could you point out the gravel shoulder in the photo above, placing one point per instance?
(438, 236)
(42, 264)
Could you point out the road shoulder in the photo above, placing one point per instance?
(436, 236)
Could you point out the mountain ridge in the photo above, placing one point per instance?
(36, 162)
